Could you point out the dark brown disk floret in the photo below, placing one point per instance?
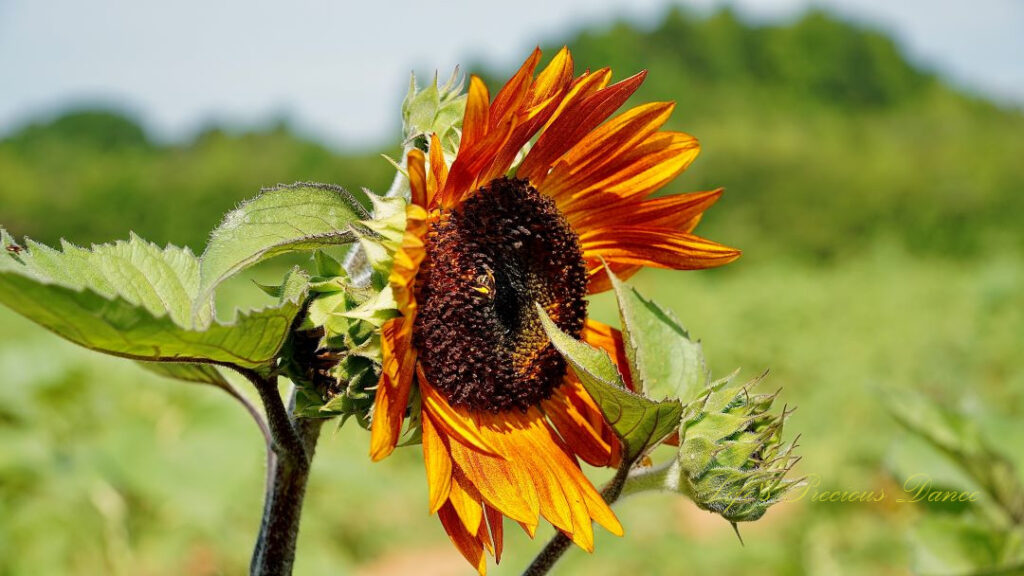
(477, 332)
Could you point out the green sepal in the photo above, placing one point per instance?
(375, 310)
(327, 266)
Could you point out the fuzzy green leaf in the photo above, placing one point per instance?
(284, 219)
(662, 358)
(131, 299)
(639, 422)
(163, 281)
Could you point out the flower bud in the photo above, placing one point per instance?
(732, 460)
(436, 109)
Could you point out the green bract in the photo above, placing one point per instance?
(335, 355)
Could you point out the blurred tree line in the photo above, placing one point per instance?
(825, 137)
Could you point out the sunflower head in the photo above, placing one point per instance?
(480, 340)
(547, 192)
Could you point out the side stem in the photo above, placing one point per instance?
(557, 546)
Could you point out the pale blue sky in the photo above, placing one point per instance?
(338, 69)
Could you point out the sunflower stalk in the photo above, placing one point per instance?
(289, 459)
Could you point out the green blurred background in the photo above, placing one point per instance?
(879, 210)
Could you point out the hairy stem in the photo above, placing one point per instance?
(557, 546)
(289, 458)
(254, 413)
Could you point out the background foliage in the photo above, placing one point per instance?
(878, 208)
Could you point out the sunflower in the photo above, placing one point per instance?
(504, 421)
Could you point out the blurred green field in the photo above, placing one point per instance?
(879, 213)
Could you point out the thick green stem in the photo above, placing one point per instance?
(664, 477)
(290, 456)
(554, 549)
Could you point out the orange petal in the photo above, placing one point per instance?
(582, 86)
(468, 544)
(475, 119)
(630, 179)
(609, 339)
(438, 463)
(555, 76)
(596, 508)
(527, 122)
(575, 427)
(602, 513)
(466, 169)
(584, 500)
(553, 495)
(521, 107)
(598, 281)
(552, 469)
(514, 92)
(407, 261)
(454, 422)
(503, 485)
(544, 98)
(657, 247)
(495, 523)
(417, 177)
(574, 121)
(633, 175)
(600, 148)
(677, 211)
(438, 170)
(398, 360)
(468, 508)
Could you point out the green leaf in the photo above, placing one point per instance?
(298, 217)
(130, 299)
(639, 422)
(662, 357)
(164, 281)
